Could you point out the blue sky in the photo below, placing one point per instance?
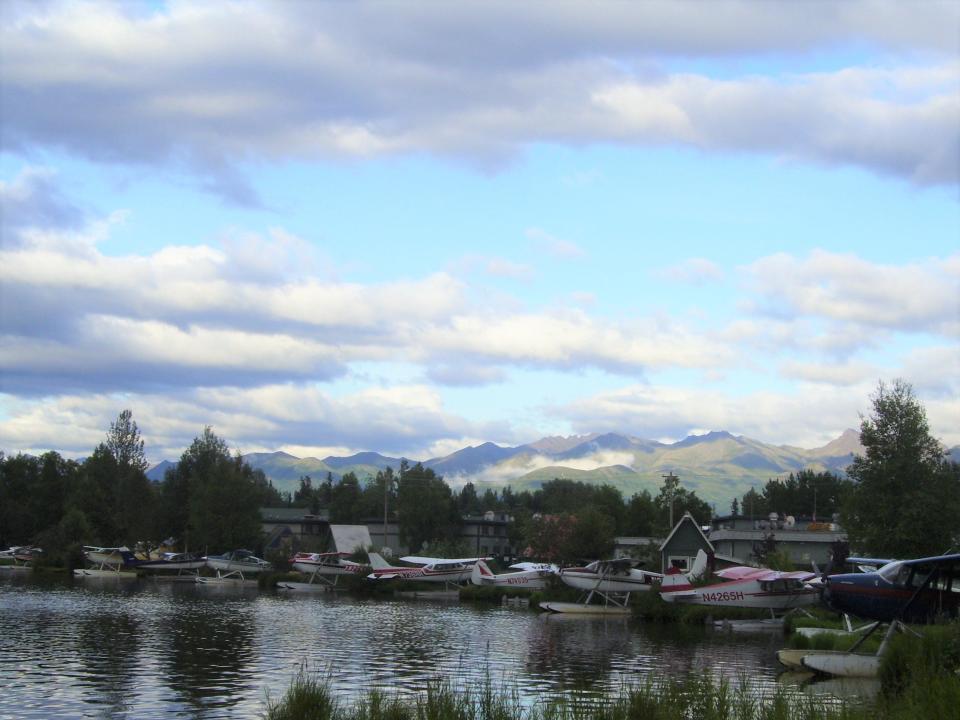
(326, 227)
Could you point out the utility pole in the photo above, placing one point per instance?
(671, 481)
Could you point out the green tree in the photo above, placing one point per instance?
(905, 500)
(212, 498)
(546, 537)
(345, 501)
(19, 518)
(426, 508)
(674, 500)
(641, 515)
(591, 536)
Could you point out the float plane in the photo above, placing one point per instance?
(920, 590)
(319, 567)
(742, 587)
(528, 576)
(425, 569)
(610, 580)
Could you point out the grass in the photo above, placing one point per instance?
(920, 678)
(310, 698)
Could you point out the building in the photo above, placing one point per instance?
(488, 534)
(803, 540)
(297, 530)
(635, 547)
(683, 543)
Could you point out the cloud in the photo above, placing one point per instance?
(404, 421)
(209, 88)
(918, 297)
(33, 200)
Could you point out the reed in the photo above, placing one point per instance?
(309, 698)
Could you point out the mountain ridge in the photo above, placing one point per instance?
(717, 465)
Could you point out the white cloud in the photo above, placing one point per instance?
(208, 87)
(916, 297)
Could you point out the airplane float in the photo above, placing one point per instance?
(320, 567)
(528, 576)
(920, 590)
(611, 580)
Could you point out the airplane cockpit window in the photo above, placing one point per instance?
(891, 572)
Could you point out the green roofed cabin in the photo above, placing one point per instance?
(682, 544)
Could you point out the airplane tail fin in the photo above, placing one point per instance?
(480, 571)
(377, 562)
(699, 566)
(674, 581)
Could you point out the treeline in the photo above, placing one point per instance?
(805, 494)
(563, 520)
(210, 499)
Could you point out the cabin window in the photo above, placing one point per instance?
(681, 563)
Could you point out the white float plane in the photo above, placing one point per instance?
(611, 580)
(319, 567)
(107, 562)
(426, 569)
(528, 576)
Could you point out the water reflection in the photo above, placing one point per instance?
(106, 648)
(207, 659)
(149, 649)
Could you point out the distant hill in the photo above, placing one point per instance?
(718, 465)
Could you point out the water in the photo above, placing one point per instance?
(108, 648)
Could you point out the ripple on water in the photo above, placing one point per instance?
(148, 649)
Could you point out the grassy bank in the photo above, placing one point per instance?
(920, 678)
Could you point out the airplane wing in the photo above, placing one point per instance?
(770, 575)
(420, 560)
(546, 567)
(740, 572)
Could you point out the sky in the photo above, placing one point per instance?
(410, 227)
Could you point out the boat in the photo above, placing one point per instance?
(233, 566)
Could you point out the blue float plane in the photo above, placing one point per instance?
(913, 591)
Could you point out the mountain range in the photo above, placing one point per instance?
(718, 466)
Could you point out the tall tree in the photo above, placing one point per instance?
(212, 498)
(345, 504)
(905, 501)
(125, 443)
(674, 500)
(426, 508)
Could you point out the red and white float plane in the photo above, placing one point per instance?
(529, 576)
(425, 569)
(742, 587)
(319, 567)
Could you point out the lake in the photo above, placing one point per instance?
(109, 648)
